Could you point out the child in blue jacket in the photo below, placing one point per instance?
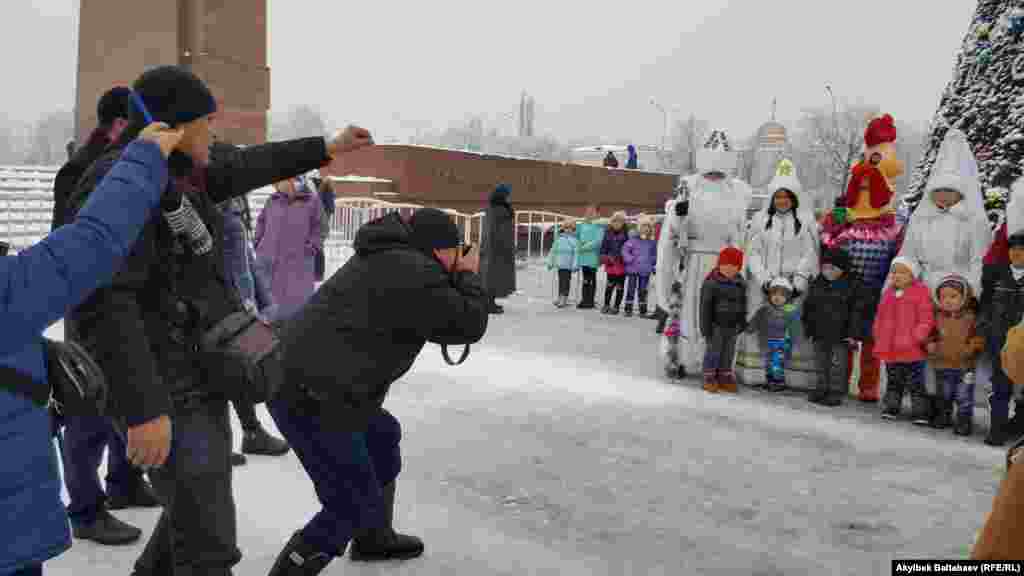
(564, 258)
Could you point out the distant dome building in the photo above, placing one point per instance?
(770, 146)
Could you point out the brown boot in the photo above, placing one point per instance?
(727, 382)
(710, 381)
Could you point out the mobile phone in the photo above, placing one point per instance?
(141, 106)
(4, 248)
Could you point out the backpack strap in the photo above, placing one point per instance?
(21, 384)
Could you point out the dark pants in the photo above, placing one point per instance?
(906, 377)
(84, 439)
(637, 283)
(589, 286)
(720, 349)
(196, 534)
(35, 570)
(564, 282)
(951, 386)
(348, 469)
(246, 412)
(616, 284)
(833, 363)
(1002, 391)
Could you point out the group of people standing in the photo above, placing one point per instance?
(822, 299)
(163, 305)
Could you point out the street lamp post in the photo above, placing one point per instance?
(664, 133)
(835, 128)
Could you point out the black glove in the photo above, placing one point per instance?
(171, 200)
(682, 208)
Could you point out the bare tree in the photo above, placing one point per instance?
(687, 137)
(49, 135)
(302, 121)
(837, 138)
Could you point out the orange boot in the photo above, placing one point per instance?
(870, 373)
(711, 381)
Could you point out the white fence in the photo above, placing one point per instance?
(26, 209)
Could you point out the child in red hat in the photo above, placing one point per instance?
(723, 317)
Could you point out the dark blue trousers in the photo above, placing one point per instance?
(348, 469)
(85, 437)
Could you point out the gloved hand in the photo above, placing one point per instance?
(799, 284)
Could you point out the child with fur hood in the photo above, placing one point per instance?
(905, 320)
(723, 315)
(953, 350)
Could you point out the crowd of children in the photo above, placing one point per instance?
(627, 256)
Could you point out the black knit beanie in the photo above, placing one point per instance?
(115, 103)
(432, 229)
(1016, 240)
(172, 95)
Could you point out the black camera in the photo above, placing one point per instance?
(682, 208)
(4, 248)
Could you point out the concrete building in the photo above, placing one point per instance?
(224, 43)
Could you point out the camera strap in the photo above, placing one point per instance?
(448, 359)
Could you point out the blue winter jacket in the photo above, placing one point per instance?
(38, 286)
(590, 235)
(563, 252)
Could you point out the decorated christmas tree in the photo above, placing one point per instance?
(985, 99)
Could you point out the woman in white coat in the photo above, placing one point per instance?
(783, 244)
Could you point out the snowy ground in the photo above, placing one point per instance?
(556, 449)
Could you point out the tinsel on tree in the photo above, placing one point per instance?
(985, 99)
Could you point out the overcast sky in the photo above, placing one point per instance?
(592, 66)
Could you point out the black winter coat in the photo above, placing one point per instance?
(1002, 305)
(723, 304)
(144, 327)
(498, 247)
(835, 311)
(365, 326)
(66, 181)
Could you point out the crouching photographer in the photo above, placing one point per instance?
(408, 283)
(37, 287)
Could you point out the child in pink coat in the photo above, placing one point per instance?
(905, 320)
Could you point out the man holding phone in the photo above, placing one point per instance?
(409, 283)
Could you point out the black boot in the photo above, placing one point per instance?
(920, 409)
(942, 414)
(629, 311)
(643, 310)
(493, 307)
(997, 431)
(964, 425)
(107, 530)
(140, 495)
(259, 441)
(237, 459)
(384, 543)
(299, 559)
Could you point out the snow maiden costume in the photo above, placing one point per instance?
(870, 233)
(716, 219)
(782, 245)
(953, 240)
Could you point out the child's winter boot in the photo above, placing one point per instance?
(711, 381)
(629, 311)
(942, 415)
(997, 431)
(892, 402)
(727, 382)
(920, 409)
(964, 425)
(643, 311)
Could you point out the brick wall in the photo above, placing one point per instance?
(464, 180)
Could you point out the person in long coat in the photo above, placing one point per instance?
(287, 240)
(783, 244)
(498, 247)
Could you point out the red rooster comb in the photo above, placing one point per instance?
(880, 130)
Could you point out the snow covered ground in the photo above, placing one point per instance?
(556, 449)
